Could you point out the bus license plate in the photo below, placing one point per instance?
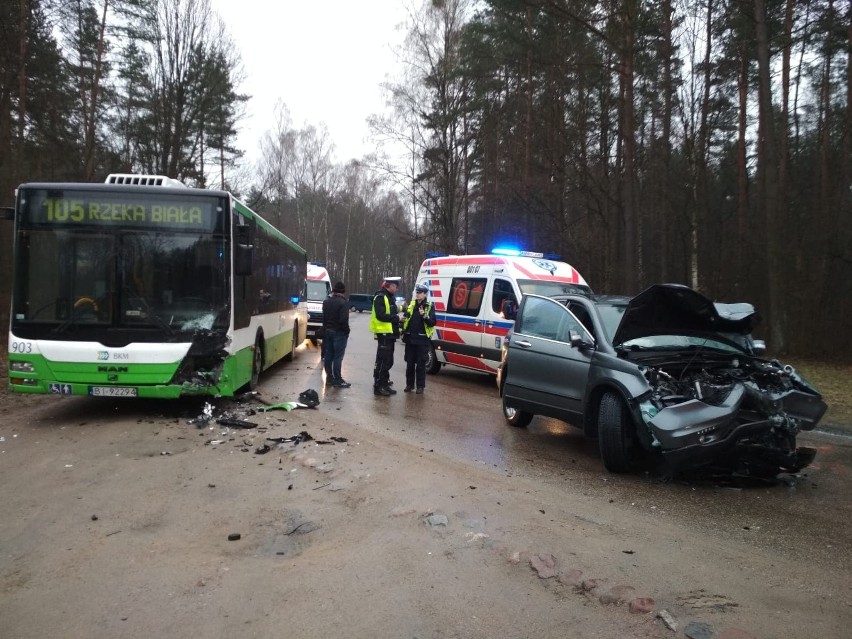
(112, 391)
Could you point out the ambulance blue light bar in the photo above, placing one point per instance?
(513, 252)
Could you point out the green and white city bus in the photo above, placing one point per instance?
(143, 287)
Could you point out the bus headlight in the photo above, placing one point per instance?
(22, 367)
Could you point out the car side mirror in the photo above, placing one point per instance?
(576, 340)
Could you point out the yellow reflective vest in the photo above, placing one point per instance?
(408, 313)
(377, 326)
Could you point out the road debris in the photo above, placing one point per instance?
(667, 619)
(233, 422)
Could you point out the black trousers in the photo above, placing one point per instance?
(384, 360)
(415, 364)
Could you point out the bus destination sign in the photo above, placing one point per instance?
(94, 209)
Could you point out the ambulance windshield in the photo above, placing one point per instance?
(552, 289)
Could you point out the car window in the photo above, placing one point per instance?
(502, 291)
(466, 295)
(545, 318)
(582, 314)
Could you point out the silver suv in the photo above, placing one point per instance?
(667, 373)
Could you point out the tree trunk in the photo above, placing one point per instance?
(768, 160)
(91, 124)
(630, 256)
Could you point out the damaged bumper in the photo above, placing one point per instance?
(747, 422)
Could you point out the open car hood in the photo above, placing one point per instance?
(675, 309)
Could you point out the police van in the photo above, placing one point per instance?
(318, 287)
(475, 298)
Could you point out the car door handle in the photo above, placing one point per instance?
(522, 343)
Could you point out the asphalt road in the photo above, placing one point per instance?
(115, 517)
(459, 416)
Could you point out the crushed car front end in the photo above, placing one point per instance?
(740, 412)
(711, 399)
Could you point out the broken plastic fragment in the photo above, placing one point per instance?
(295, 439)
(282, 406)
(236, 423)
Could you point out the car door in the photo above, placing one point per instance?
(543, 366)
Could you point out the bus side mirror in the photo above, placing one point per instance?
(243, 251)
(7, 213)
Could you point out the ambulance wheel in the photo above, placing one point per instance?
(432, 363)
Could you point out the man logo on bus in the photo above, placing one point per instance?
(103, 355)
(550, 267)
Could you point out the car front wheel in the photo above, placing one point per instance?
(515, 417)
(615, 436)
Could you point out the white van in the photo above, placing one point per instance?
(476, 296)
(317, 288)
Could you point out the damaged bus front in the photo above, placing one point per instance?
(142, 287)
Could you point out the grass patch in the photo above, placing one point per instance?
(834, 381)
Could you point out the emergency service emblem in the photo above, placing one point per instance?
(547, 265)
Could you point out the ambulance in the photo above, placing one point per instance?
(317, 288)
(475, 298)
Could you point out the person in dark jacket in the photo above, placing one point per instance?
(335, 331)
(384, 324)
(417, 329)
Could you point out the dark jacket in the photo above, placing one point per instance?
(416, 328)
(335, 313)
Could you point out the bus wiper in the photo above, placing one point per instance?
(150, 312)
(64, 326)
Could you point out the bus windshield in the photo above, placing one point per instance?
(125, 262)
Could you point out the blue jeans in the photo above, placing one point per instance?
(334, 346)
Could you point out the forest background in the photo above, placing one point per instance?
(705, 142)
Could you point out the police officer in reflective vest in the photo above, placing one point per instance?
(384, 324)
(417, 332)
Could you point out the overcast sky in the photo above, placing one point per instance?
(324, 58)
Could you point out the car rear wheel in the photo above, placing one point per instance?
(515, 417)
(432, 363)
(615, 436)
